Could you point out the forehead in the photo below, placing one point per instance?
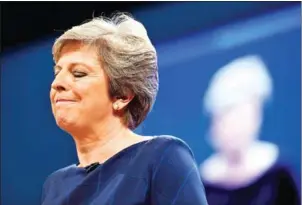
(77, 53)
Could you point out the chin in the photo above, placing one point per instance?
(66, 124)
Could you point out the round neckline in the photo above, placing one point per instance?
(116, 154)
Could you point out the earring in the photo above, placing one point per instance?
(115, 106)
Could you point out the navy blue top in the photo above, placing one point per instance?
(159, 171)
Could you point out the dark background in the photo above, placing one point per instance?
(193, 40)
(27, 21)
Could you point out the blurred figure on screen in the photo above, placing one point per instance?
(243, 170)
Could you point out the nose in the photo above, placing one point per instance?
(60, 83)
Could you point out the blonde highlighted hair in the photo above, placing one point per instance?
(128, 58)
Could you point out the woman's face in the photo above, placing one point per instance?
(237, 127)
(79, 93)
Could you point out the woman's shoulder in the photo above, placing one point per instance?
(166, 146)
(166, 139)
(58, 174)
(163, 142)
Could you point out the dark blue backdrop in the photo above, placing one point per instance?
(32, 146)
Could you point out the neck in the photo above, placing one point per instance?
(101, 141)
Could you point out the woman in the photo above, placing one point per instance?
(106, 81)
(244, 169)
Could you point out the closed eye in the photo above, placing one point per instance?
(78, 74)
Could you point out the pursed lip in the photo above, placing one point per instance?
(61, 100)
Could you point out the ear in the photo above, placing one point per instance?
(120, 102)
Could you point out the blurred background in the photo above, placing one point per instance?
(193, 40)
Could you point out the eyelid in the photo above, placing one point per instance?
(79, 74)
(78, 71)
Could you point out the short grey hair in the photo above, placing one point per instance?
(128, 58)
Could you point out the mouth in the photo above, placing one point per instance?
(64, 101)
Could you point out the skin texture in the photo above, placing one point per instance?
(82, 107)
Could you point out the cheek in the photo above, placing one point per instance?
(249, 123)
(97, 90)
(92, 98)
(96, 102)
(225, 128)
(239, 128)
